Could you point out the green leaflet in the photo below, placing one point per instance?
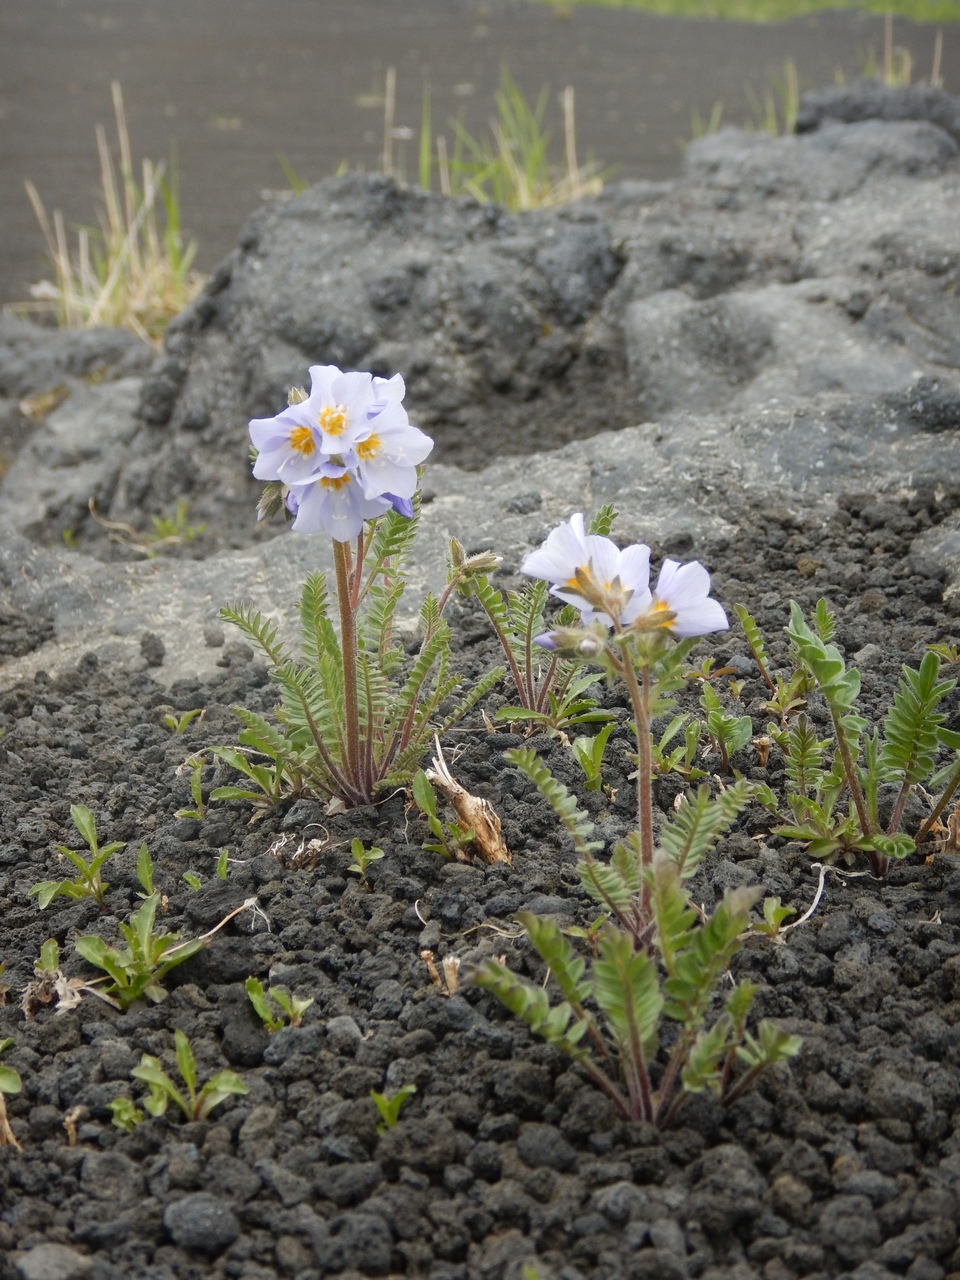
(625, 987)
(700, 822)
(576, 822)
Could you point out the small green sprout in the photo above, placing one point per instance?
(180, 724)
(126, 1114)
(145, 871)
(49, 961)
(588, 753)
(197, 1106)
(172, 530)
(950, 653)
(449, 837)
(192, 880)
(222, 862)
(773, 917)
(292, 1007)
(727, 732)
(389, 1105)
(88, 882)
(362, 857)
(10, 1081)
(195, 764)
(681, 758)
(137, 971)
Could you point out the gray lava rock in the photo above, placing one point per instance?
(53, 1262)
(543, 1146)
(201, 1221)
(354, 1240)
(783, 318)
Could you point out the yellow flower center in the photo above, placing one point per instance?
(302, 441)
(333, 420)
(659, 607)
(335, 482)
(369, 448)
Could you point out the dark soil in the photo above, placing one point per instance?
(847, 1162)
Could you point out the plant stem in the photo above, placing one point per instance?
(640, 700)
(941, 803)
(849, 770)
(348, 651)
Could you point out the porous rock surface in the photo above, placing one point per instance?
(777, 326)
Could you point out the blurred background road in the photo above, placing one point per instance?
(235, 83)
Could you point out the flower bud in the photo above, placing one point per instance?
(296, 395)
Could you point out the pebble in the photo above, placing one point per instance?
(201, 1221)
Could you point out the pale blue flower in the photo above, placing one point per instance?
(345, 453)
(590, 572)
(683, 592)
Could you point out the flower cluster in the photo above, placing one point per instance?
(611, 587)
(344, 454)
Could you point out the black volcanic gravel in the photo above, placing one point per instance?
(845, 1163)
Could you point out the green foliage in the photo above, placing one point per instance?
(136, 971)
(145, 871)
(576, 822)
(906, 754)
(511, 167)
(172, 530)
(700, 822)
(389, 1105)
(196, 1105)
(773, 917)
(88, 882)
(195, 764)
(728, 733)
(449, 838)
(180, 724)
(552, 696)
(10, 1081)
(126, 1114)
(362, 858)
(49, 961)
(223, 864)
(193, 880)
(588, 753)
(608, 1014)
(351, 722)
(680, 759)
(292, 1008)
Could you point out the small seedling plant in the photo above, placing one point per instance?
(390, 1104)
(355, 717)
(292, 1008)
(588, 753)
(136, 971)
(180, 724)
(363, 858)
(10, 1083)
(834, 783)
(680, 758)
(552, 691)
(197, 1105)
(450, 839)
(656, 956)
(195, 764)
(88, 882)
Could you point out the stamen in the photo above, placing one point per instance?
(302, 441)
(333, 420)
(335, 482)
(369, 448)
